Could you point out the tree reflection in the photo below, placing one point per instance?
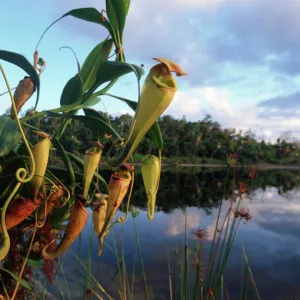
(206, 187)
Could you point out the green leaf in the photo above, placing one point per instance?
(36, 263)
(90, 66)
(59, 226)
(96, 114)
(155, 136)
(20, 61)
(88, 14)
(8, 189)
(91, 101)
(97, 126)
(65, 217)
(117, 11)
(250, 273)
(104, 90)
(154, 132)
(110, 70)
(60, 214)
(72, 91)
(91, 14)
(60, 149)
(23, 282)
(9, 135)
(80, 163)
(63, 173)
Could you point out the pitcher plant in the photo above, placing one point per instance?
(157, 93)
(151, 168)
(37, 171)
(77, 221)
(118, 187)
(91, 162)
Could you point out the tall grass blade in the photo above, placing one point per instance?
(99, 286)
(250, 272)
(133, 272)
(242, 278)
(118, 258)
(176, 259)
(141, 257)
(181, 271)
(214, 247)
(89, 263)
(65, 280)
(169, 273)
(59, 287)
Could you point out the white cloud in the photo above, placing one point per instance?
(221, 104)
(123, 112)
(185, 103)
(176, 222)
(196, 3)
(218, 100)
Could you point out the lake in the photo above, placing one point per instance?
(189, 200)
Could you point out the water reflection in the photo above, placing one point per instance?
(271, 238)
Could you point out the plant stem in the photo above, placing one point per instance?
(64, 277)
(169, 271)
(25, 260)
(213, 251)
(89, 259)
(141, 257)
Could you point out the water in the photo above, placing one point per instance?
(191, 198)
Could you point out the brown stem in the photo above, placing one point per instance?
(25, 261)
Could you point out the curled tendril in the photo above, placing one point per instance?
(41, 223)
(64, 201)
(53, 188)
(58, 236)
(21, 174)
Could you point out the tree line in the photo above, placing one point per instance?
(203, 141)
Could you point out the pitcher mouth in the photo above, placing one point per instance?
(172, 67)
(42, 134)
(162, 74)
(169, 84)
(79, 202)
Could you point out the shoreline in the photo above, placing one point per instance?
(187, 165)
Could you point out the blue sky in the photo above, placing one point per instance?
(242, 56)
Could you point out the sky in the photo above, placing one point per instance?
(242, 57)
